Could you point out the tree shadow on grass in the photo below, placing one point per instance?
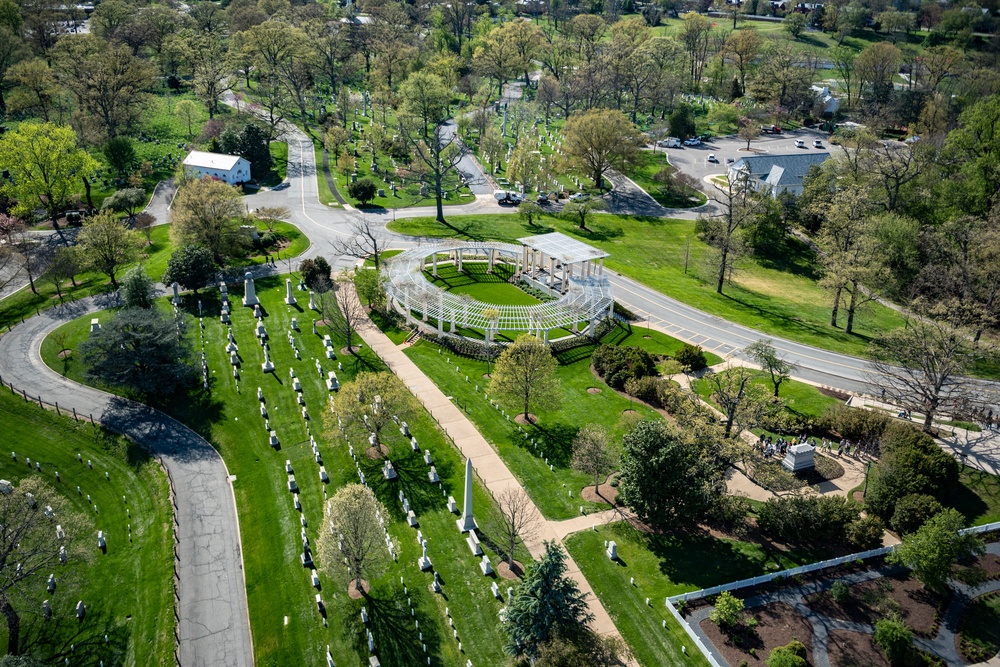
(556, 440)
(965, 499)
(792, 322)
(398, 641)
(411, 479)
(791, 256)
(82, 642)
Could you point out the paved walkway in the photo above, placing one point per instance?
(942, 644)
(213, 627)
(492, 471)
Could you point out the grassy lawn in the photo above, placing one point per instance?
(981, 625)
(153, 256)
(666, 565)
(801, 399)
(475, 282)
(650, 164)
(277, 586)
(129, 590)
(977, 496)
(279, 164)
(556, 492)
(777, 295)
(325, 194)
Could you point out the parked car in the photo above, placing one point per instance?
(712, 158)
(542, 198)
(818, 144)
(799, 143)
(730, 160)
(770, 129)
(579, 196)
(693, 141)
(669, 142)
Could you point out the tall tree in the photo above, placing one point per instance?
(932, 551)
(762, 352)
(190, 266)
(743, 402)
(592, 453)
(19, 252)
(742, 48)
(923, 367)
(353, 533)
(44, 163)
(105, 244)
(208, 212)
(513, 520)
(425, 98)
(667, 478)
(367, 239)
(36, 88)
(525, 375)
(436, 157)
(143, 351)
(31, 548)
(129, 201)
(546, 603)
(343, 310)
(739, 207)
(599, 140)
(137, 289)
(371, 402)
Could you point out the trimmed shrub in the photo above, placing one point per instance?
(895, 640)
(792, 654)
(866, 532)
(645, 389)
(840, 592)
(855, 424)
(913, 511)
(728, 611)
(617, 364)
(363, 189)
(691, 357)
(807, 518)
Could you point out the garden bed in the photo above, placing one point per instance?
(895, 595)
(778, 623)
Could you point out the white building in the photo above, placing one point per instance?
(775, 173)
(825, 99)
(232, 169)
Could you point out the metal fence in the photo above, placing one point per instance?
(784, 574)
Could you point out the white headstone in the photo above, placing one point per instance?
(289, 299)
(250, 293)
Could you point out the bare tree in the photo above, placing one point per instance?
(436, 158)
(744, 403)
(366, 240)
(922, 366)
(592, 453)
(342, 309)
(271, 214)
(353, 533)
(19, 251)
(739, 205)
(40, 532)
(763, 353)
(514, 520)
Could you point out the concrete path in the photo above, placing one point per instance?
(213, 628)
(492, 471)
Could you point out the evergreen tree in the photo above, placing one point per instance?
(546, 604)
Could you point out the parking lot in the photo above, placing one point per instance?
(693, 160)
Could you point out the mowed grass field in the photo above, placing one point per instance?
(583, 399)
(277, 584)
(776, 295)
(128, 591)
(666, 565)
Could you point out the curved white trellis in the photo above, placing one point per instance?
(586, 298)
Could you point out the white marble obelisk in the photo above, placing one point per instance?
(289, 299)
(467, 522)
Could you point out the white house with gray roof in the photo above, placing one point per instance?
(775, 173)
(232, 169)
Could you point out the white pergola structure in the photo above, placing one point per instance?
(587, 297)
(549, 260)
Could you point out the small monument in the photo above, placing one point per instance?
(250, 293)
(799, 457)
(312, 301)
(424, 562)
(267, 366)
(95, 325)
(177, 294)
(388, 471)
(467, 522)
(612, 550)
(289, 298)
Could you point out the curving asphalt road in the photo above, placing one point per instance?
(213, 627)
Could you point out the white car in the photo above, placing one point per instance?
(799, 143)
(712, 158)
(579, 196)
(818, 144)
(692, 142)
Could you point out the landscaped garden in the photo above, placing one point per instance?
(278, 587)
(127, 590)
(777, 295)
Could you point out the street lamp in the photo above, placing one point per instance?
(868, 467)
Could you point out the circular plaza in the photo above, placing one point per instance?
(566, 274)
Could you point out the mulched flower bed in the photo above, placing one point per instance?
(605, 493)
(853, 649)
(778, 624)
(898, 594)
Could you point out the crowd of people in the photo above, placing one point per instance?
(768, 446)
